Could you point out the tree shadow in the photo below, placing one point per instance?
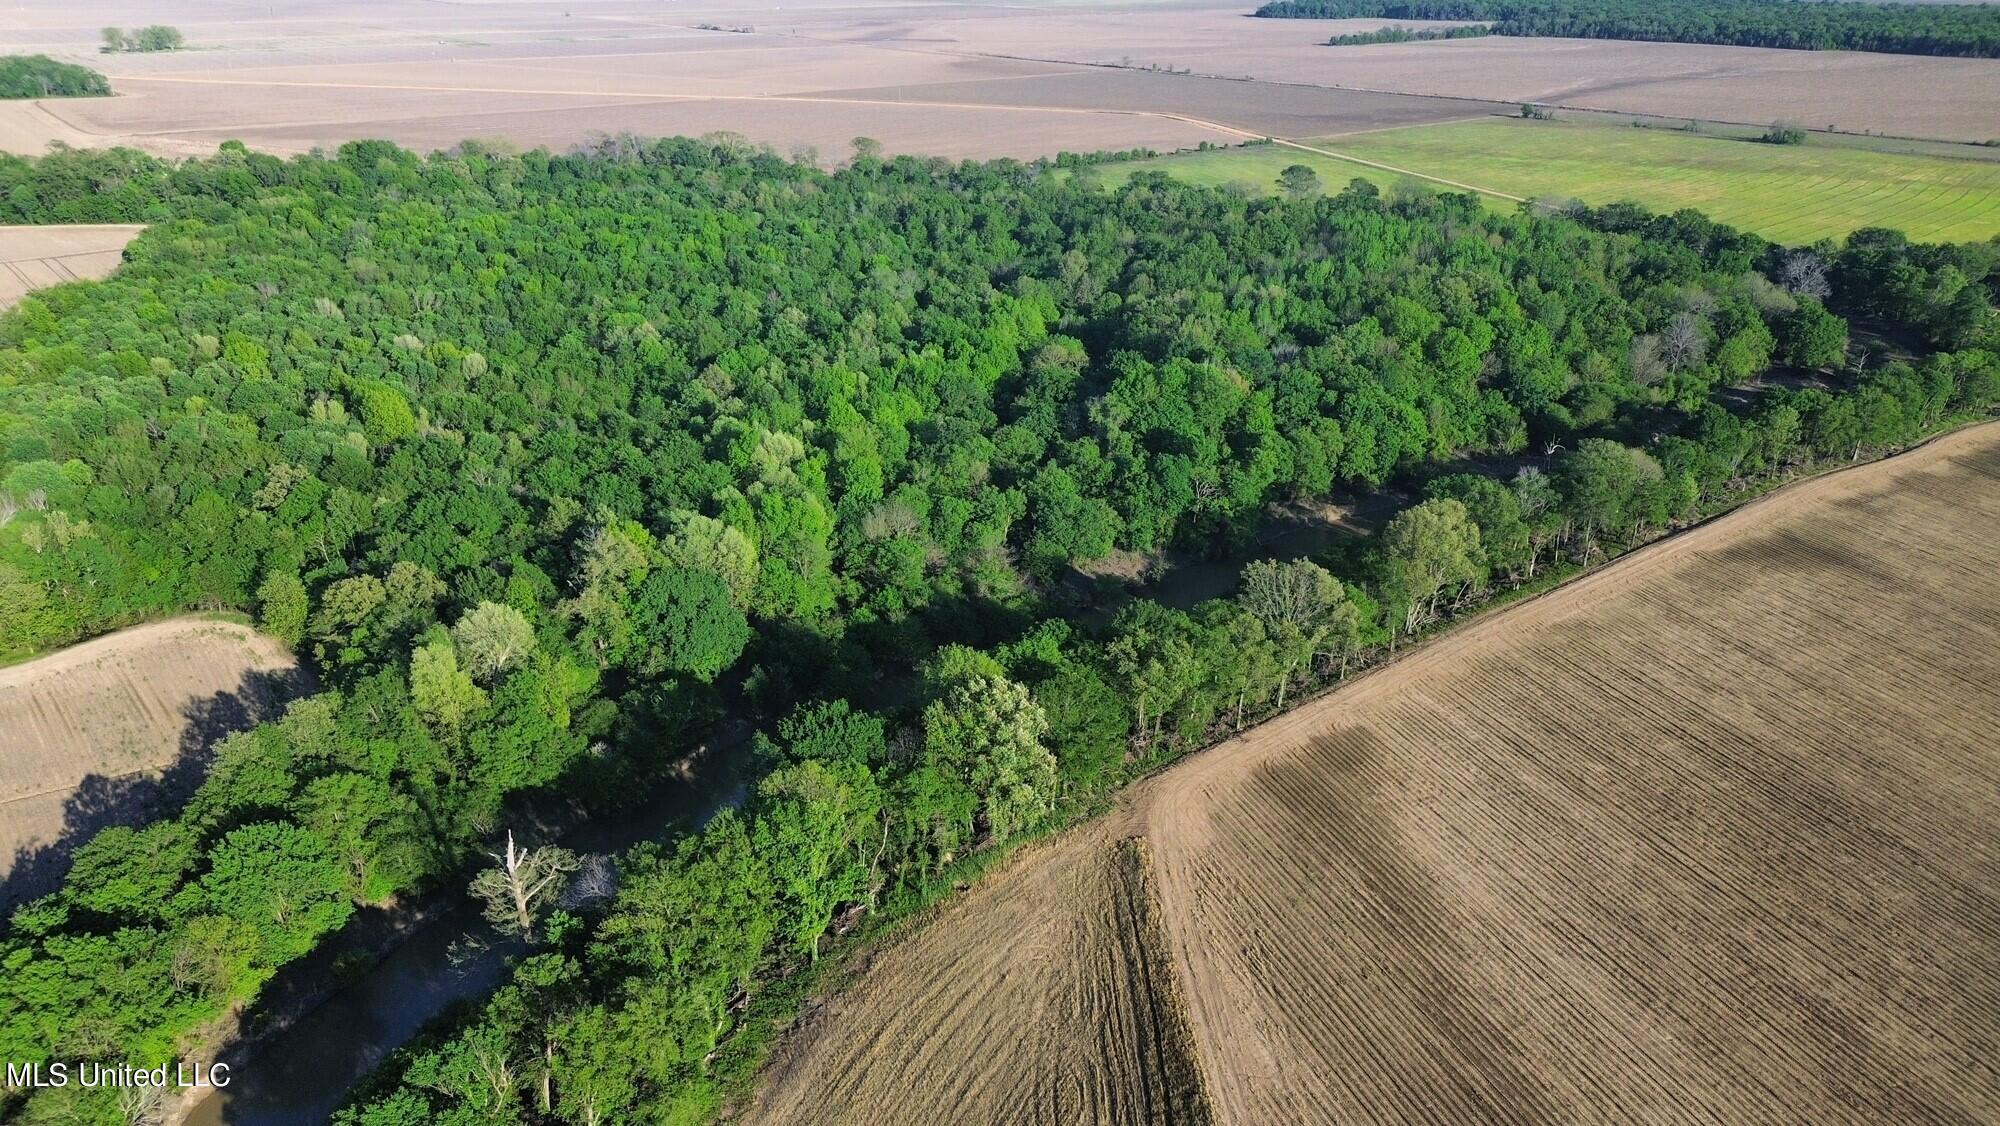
(103, 801)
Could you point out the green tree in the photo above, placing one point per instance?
(686, 621)
(811, 826)
(281, 607)
(1427, 549)
(279, 880)
(1299, 181)
(443, 693)
(988, 731)
(492, 638)
(1813, 338)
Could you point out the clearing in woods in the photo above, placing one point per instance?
(1792, 194)
(87, 730)
(1706, 836)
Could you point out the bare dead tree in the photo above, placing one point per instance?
(144, 1105)
(9, 508)
(1803, 274)
(1684, 345)
(522, 882)
(596, 879)
(1648, 367)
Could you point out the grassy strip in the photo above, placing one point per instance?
(1790, 194)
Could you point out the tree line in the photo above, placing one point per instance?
(153, 37)
(1971, 30)
(39, 76)
(530, 455)
(1408, 35)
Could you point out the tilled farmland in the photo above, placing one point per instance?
(88, 730)
(1705, 837)
(1043, 999)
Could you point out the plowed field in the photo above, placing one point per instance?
(1043, 999)
(1708, 836)
(34, 257)
(86, 732)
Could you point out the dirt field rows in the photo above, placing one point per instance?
(85, 732)
(1705, 837)
(943, 79)
(1042, 1000)
(33, 257)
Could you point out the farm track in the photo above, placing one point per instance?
(1703, 837)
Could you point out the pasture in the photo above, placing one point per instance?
(1705, 836)
(1787, 193)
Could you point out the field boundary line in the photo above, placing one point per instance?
(1480, 626)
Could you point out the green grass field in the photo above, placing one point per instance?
(1791, 194)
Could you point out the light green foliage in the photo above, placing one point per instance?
(1427, 549)
(492, 638)
(809, 823)
(700, 543)
(441, 692)
(281, 607)
(988, 731)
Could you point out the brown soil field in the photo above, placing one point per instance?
(1706, 836)
(1043, 999)
(33, 257)
(89, 735)
(944, 79)
(1905, 95)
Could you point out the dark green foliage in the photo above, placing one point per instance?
(683, 622)
(1406, 35)
(39, 76)
(1803, 25)
(1784, 135)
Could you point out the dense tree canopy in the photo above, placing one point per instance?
(39, 76)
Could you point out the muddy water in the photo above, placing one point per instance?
(299, 1076)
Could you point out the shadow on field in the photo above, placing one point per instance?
(102, 801)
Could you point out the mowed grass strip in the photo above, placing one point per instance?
(1787, 193)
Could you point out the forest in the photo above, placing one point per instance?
(1408, 35)
(39, 76)
(547, 463)
(1971, 30)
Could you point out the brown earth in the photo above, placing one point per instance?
(942, 79)
(34, 257)
(1042, 998)
(1704, 837)
(98, 733)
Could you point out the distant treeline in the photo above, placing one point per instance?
(39, 76)
(157, 37)
(1971, 30)
(1408, 35)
